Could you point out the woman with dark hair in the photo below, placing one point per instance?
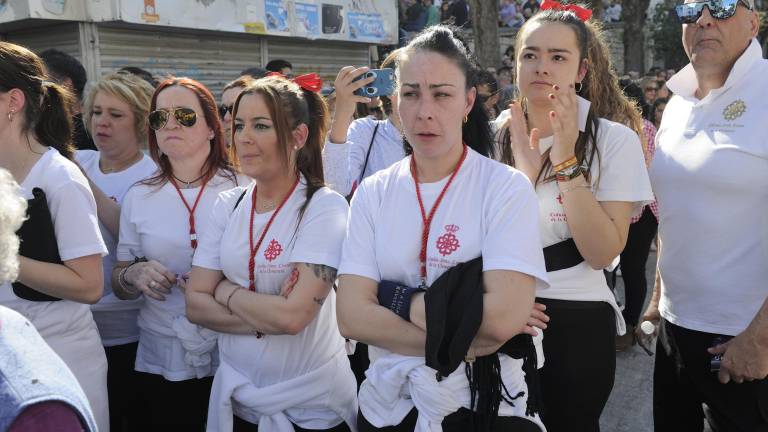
(115, 114)
(356, 149)
(60, 264)
(568, 135)
(657, 110)
(160, 220)
(263, 274)
(444, 207)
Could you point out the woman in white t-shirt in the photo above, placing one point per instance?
(444, 205)
(36, 148)
(589, 175)
(356, 149)
(263, 275)
(160, 220)
(115, 115)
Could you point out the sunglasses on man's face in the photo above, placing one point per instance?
(184, 116)
(689, 13)
(225, 109)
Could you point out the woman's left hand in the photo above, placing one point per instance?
(565, 123)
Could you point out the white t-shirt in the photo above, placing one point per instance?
(154, 223)
(709, 175)
(343, 163)
(489, 209)
(619, 174)
(316, 240)
(68, 326)
(115, 318)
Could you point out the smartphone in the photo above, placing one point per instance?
(716, 359)
(383, 84)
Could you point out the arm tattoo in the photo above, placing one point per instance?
(323, 272)
(319, 300)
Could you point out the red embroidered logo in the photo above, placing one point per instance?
(273, 250)
(560, 199)
(448, 243)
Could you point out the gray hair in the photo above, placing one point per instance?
(12, 214)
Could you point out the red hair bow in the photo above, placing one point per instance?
(309, 82)
(583, 14)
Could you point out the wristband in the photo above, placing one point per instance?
(397, 298)
(566, 164)
(568, 174)
(121, 276)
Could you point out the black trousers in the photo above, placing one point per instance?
(633, 260)
(241, 425)
(359, 362)
(122, 388)
(682, 381)
(579, 364)
(460, 421)
(182, 404)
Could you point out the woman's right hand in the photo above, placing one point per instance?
(151, 278)
(525, 146)
(346, 100)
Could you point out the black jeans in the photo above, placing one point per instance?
(460, 421)
(241, 425)
(579, 364)
(122, 388)
(682, 381)
(633, 260)
(182, 404)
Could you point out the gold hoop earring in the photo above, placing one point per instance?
(466, 118)
(10, 115)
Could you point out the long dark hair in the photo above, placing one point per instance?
(445, 40)
(47, 107)
(289, 106)
(218, 161)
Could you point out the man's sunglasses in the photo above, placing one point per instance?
(689, 13)
(184, 116)
(225, 109)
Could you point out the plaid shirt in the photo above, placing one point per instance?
(649, 130)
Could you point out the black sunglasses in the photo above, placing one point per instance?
(689, 13)
(224, 109)
(184, 116)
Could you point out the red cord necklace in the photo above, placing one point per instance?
(191, 210)
(252, 255)
(427, 220)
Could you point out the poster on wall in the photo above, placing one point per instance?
(276, 16)
(307, 18)
(333, 20)
(13, 10)
(366, 27)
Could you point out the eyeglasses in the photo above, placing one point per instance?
(689, 13)
(225, 109)
(184, 116)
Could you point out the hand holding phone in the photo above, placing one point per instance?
(383, 83)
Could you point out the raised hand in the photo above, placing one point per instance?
(564, 119)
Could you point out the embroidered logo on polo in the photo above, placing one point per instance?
(448, 243)
(273, 250)
(734, 110)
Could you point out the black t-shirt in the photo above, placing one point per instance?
(80, 137)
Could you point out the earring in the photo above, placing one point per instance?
(295, 147)
(578, 86)
(466, 118)
(10, 115)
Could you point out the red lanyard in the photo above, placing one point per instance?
(252, 255)
(191, 210)
(427, 220)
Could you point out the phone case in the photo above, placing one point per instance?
(383, 85)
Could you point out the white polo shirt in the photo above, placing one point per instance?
(709, 175)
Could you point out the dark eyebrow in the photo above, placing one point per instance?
(432, 86)
(551, 50)
(253, 118)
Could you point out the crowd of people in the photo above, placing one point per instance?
(284, 258)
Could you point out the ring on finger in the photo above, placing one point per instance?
(152, 284)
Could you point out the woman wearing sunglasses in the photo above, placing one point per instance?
(115, 115)
(160, 221)
(60, 270)
(228, 96)
(264, 272)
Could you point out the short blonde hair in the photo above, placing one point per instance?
(12, 214)
(133, 90)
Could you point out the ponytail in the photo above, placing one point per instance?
(53, 127)
(309, 159)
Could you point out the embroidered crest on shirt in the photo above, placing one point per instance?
(273, 250)
(734, 110)
(448, 243)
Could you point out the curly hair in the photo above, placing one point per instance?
(12, 214)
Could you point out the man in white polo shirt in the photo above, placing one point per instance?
(710, 176)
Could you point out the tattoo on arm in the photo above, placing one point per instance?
(319, 300)
(323, 272)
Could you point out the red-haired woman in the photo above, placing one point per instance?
(160, 220)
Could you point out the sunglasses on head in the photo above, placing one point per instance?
(689, 13)
(225, 109)
(184, 116)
